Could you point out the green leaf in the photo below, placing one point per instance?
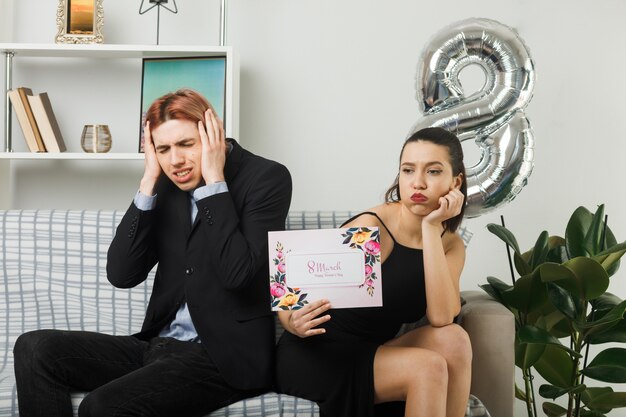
(552, 392)
(551, 272)
(616, 334)
(579, 389)
(602, 400)
(609, 400)
(563, 301)
(495, 294)
(613, 249)
(557, 251)
(583, 277)
(610, 260)
(591, 393)
(554, 322)
(555, 241)
(556, 367)
(508, 238)
(606, 301)
(521, 263)
(592, 242)
(498, 284)
(606, 322)
(505, 235)
(540, 251)
(608, 366)
(560, 274)
(576, 230)
(494, 288)
(592, 278)
(536, 336)
(527, 295)
(553, 410)
(591, 413)
(593, 227)
(527, 354)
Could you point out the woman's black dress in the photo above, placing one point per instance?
(336, 369)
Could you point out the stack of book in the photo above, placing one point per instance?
(37, 120)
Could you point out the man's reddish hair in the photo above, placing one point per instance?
(183, 104)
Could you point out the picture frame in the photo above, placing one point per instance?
(80, 21)
(205, 74)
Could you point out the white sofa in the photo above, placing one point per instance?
(52, 275)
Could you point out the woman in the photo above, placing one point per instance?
(349, 360)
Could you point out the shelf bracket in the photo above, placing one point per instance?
(8, 84)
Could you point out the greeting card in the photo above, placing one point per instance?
(341, 265)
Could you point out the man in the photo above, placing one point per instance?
(202, 212)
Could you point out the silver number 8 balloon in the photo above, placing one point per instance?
(493, 117)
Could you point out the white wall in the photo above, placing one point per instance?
(6, 20)
(327, 88)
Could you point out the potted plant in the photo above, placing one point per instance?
(561, 307)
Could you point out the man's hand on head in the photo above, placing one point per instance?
(152, 169)
(213, 147)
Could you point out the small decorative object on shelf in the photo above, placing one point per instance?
(96, 139)
(158, 4)
(80, 21)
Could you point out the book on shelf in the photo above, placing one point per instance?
(47, 122)
(26, 118)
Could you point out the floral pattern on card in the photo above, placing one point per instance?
(366, 240)
(283, 296)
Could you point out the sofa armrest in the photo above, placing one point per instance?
(491, 328)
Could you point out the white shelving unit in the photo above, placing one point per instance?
(71, 156)
(38, 56)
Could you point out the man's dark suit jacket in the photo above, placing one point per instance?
(219, 266)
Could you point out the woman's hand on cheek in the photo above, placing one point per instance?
(152, 168)
(450, 205)
(213, 147)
